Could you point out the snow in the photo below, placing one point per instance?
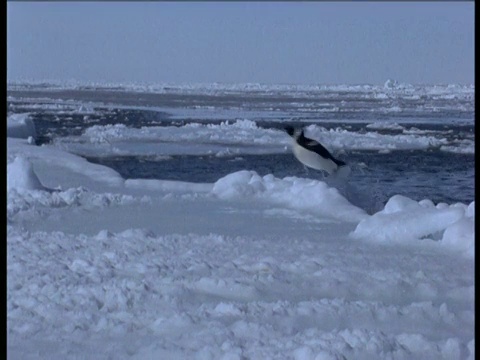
(298, 193)
(246, 267)
(241, 136)
(20, 126)
(385, 125)
(404, 220)
(389, 88)
(406, 102)
(20, 175)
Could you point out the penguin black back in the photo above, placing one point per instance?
(311, 145)
(315, 146)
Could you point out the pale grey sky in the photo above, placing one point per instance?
(265, 42)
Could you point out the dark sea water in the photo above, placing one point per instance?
(444, 177)
(419, 174)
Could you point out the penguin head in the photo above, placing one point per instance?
(290, 130)
(295, 133)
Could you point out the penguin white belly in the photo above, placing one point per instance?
(313, 160)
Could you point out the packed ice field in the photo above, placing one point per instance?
(246, 267)
(228, 122)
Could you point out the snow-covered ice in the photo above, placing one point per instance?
(20, 126)
(390, 88)
(241, 136)
(247, 267)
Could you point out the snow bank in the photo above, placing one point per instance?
(242, 136)
(461, 234)
(54, 163)
(341, 139)
(384, 126)
(390, 87)
(50, 106)
(32, 201)
(20, 126)
(138, 295)
(20, 175)
(464, 146)
(168, 186)
(299, 193)
(239, 131)
(404, 220)
(296, 286)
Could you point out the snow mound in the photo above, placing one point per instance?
(390, 84)
(385, 126)
(461, 235)
(404, 219)
(71, 166)
(303, 194)
(21, 176)
(20, 126)
(34, 201)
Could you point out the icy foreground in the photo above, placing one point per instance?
(247, 267)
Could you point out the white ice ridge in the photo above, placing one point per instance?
(389, 88)
(404, 220)
(21, 126)
(241, 136)
(21, 176)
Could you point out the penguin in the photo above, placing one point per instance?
(313, 154)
